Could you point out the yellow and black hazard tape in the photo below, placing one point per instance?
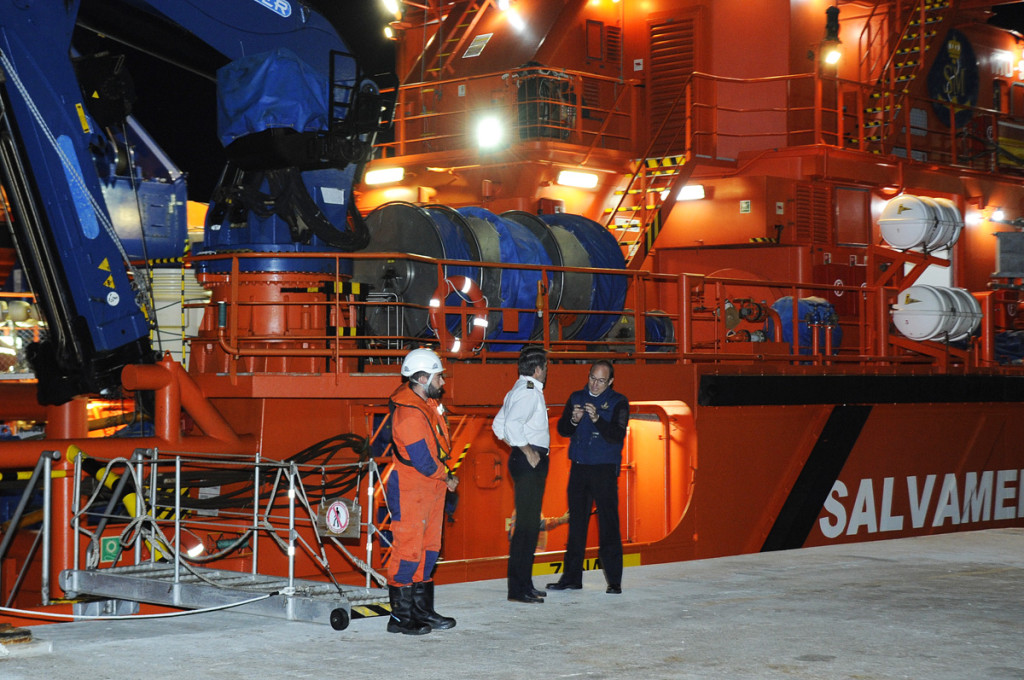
(366, 611)
(339, 287)
(664, 162)
(764, 239)
(172, 260)
(665, 165)
(462, 456)
(165, 260)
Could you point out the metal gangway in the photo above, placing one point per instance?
(153, 564)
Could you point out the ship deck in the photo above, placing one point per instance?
(935, 607)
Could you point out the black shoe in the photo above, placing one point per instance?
(423, 607)
(613, 590)
(538, 593)
(565, 586)
(527, 599)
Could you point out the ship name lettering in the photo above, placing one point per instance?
(990, 495)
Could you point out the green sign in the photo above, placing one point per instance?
(110, 548)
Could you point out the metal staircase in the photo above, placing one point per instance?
(645, 203)
(896, 56)
(919, 29)
(653, 189)
(456, 23)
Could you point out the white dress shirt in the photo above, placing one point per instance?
(523, 417)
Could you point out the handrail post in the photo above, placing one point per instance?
(371, 471)
(292, 473)
(44, 586)
(154, 454)
(45, 459)
(256, 513)
(76, 509)
(177, 520)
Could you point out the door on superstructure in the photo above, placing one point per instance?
(674, 53)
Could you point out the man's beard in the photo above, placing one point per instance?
(433, 392)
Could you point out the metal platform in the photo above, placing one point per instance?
(201, 588)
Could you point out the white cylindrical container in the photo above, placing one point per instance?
(924, 312)
(909, 221)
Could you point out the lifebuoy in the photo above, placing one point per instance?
(467, 289)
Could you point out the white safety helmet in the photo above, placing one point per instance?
(421, 360)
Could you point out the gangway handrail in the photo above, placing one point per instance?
(42, 470)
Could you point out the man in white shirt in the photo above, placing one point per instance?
(522, 423)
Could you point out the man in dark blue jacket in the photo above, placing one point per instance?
(595, 420)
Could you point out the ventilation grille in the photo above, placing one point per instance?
(813, 214)
(613, 44)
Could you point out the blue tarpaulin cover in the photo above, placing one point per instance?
(517, 245)
(810, 310)
(269, 90)
(609, 289)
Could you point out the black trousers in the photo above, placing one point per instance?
(594, 485)
(529, 492)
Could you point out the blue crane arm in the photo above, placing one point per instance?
(62, 227)
(60, 224)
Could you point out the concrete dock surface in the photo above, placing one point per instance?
(937, 607)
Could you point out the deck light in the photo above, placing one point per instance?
(489, 133)
(830, 51)
(515, 20)
(691, 192)
(384, 176)
(392, 7)
(574, 178)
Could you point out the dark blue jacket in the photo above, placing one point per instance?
(593, 443)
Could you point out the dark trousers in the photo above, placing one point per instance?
(529, 490)
(594, 485)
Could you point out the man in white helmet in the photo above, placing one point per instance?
(416, 487)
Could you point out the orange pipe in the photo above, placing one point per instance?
(25, 453)
(68, 420)
(175, 390)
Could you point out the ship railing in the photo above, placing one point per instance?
(533, 103)
(662, 318)
(713, 117)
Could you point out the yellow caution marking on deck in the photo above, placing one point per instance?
(365, 611)
(590, 564)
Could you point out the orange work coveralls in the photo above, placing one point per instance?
(417, 485)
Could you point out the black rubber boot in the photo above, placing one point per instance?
(402, 619)
(423, 607)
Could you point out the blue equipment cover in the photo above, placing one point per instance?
(518, 245)
(609, 289)
(269, 90)
(810, 310)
